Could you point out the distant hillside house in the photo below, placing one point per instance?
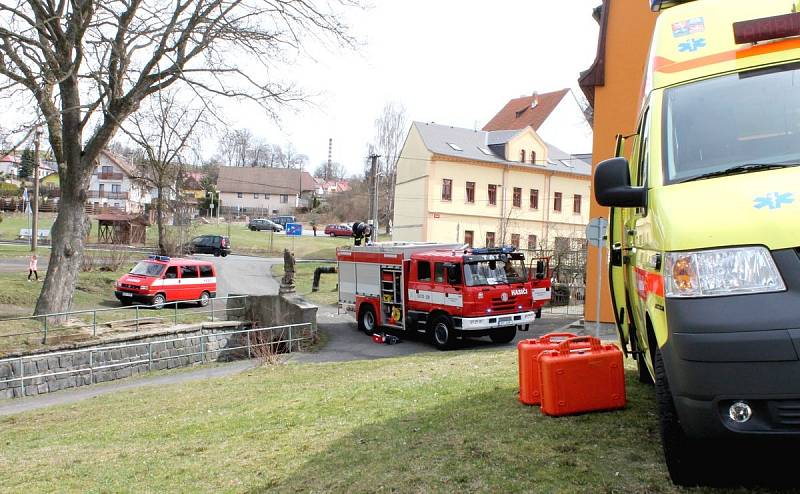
(489, 188)
(264, 191)
(556, 117)
(328, 187)
(114, 184)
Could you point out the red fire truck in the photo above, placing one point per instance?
(445, 290)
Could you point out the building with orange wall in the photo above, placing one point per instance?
(613, 86)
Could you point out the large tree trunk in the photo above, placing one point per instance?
(69, 233)
(162, 247)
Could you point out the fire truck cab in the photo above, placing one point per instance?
(444, 290)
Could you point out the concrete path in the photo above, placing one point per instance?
(10, 407)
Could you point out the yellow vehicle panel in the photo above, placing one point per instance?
(690, 44)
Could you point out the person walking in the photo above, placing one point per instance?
(314, 227)
(32, 265)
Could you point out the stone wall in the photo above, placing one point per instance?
(119, 358)
(123, 358)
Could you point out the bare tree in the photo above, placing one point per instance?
(166, 131)
(390, 131)
(330, 171)
(88, 64)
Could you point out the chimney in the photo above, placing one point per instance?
(535, 100)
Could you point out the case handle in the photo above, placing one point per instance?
(548, 338)
(566, 346)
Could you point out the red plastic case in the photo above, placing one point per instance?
(528, 352)
(576, 380)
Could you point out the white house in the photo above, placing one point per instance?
(264, 191)
(114, 184)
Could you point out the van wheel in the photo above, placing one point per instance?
(366, 319)
(159, 300)
(441, 332)
(680, 451)
(217, 252)
(205, 298)
(503, 335)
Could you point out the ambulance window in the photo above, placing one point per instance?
(439, 272)
(172, 272)
(188, 271)
(423, 271)
(206, 272)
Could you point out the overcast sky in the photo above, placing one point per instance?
(454, 62)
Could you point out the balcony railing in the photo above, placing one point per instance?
(110, 176)
(102, 194)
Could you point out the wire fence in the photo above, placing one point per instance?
(96, 363)
(47, 324)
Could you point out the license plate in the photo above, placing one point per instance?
(504, 319)
(126, 294)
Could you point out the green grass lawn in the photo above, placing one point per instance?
(13, 222)
(437, 422)
(328, 293)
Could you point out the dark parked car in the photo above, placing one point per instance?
(282, 220)
(338, 230)
(260, 224)
(219, 245)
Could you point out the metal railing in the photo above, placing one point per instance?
(46, 329)
(295, 333)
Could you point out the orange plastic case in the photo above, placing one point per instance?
(528, 354)
(576, 379)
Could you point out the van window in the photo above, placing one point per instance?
(172, 272)
(188, 271)
(748, 118)
(206, 271)
(439, 272)
(423, 271)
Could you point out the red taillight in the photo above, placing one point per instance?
(766, 28)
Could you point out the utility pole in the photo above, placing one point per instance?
(329, 168)
(373, 199)
(35, 202)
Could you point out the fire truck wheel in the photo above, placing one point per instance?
(503, 335)
(441, 331)
(680, 451)
(366, 319)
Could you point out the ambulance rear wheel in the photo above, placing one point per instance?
(681, 452)
(366, 320)
(441, 332)
(503, 335)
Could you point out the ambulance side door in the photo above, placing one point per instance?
(634, 234)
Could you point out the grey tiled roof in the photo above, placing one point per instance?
(437, 139)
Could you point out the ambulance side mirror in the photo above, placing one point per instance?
(612, 185)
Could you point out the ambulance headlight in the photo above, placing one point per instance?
(713, 273)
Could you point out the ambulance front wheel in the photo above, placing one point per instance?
(366, 319)
(680, 451)
(504, 335)
(441, 332)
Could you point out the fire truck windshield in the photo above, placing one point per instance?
(495, 272)
(145, 268)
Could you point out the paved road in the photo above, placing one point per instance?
(243, 274)
(346, 343)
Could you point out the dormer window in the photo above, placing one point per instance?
(455, 147)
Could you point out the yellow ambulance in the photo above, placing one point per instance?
(704, 231)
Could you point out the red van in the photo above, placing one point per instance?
(161, 279)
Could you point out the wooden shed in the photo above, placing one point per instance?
(121, 229)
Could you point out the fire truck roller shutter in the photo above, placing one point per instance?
(368, 280)
(347, 282)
